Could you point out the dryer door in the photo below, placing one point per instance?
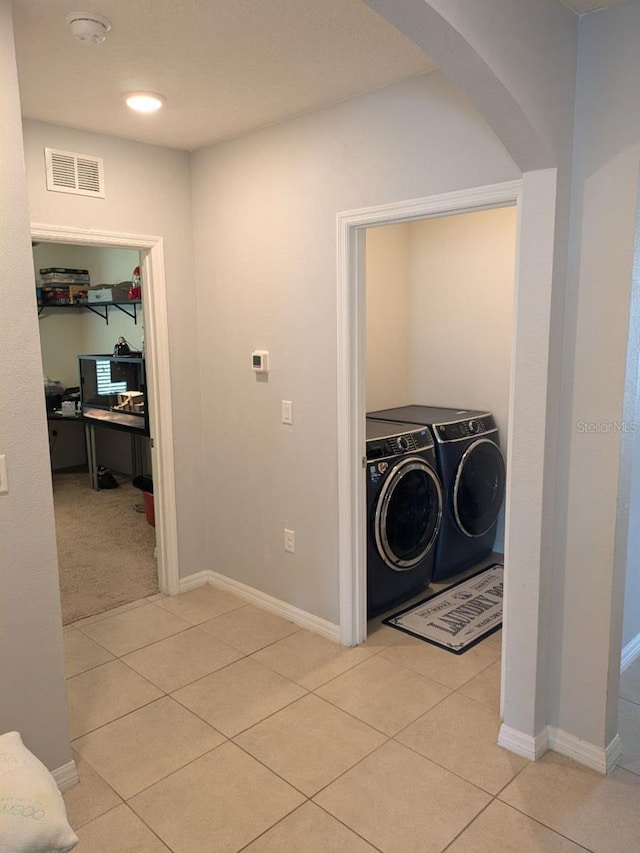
(407, 514)
(478, 489)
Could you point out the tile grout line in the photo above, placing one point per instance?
(248, 728)
(449, 770)
(536, 820)
(370, 843)
(102, 779)
(308, 691)
(451, 692)
(75, 740)
(173, 772)
(372, 725)
(545, 825)
(318, 806)
(230, 738)
(465, 828)
(120, 655)
(107, 614)
(414, 671)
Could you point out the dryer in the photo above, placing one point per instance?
(472, 471)
(404, 512)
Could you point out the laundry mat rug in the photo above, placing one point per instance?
(459, 617)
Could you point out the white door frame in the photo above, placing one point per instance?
(351, 376)
(154, 300)
(532, 436)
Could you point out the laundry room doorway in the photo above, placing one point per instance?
(439, 320)
(388, 372)
(149, 458)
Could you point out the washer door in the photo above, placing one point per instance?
(478, 489)
(407, 514)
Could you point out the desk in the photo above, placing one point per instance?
(66, 441)
(90, 424)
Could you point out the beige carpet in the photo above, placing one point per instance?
(105, 547)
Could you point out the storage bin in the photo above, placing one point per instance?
(100, 294)
(149, 508)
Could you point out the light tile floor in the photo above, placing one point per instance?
(202, 724)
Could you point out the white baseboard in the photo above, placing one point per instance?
(274, 605)
(630, 652)
(193, 581)
(66, 776)
(596, 757)
(613, 754)
(527, 746)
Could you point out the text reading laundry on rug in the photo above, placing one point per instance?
(458, 617)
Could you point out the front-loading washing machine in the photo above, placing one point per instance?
(472, 472)
(404, 512)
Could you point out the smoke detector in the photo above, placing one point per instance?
(88, 27)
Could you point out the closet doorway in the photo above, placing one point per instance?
(102, 529)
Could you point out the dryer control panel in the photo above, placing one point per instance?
(396, 445)
(468, 428)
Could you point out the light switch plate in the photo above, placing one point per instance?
(289, 541)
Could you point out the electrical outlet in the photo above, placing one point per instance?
(289, 541)
(4, 482)
(287, 412)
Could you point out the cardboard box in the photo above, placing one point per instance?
(78, 294)
(100, 294)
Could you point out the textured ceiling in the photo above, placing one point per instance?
(225, 66)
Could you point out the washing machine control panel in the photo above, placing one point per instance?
(468, 428)
(395, 445)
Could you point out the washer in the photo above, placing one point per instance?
(404, 512)
(472, 471)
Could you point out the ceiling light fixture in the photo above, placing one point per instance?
(144, 102)
(88, 27)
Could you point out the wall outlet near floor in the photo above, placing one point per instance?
(289, 541)
(4, 485)
(287, 412)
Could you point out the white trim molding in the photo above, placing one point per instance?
(194, 581)
(588, 754)
(597, 758)
(157, 360)
(264, 602)
(527, 746)
(66, 776)
(630, 652)
(351, 402)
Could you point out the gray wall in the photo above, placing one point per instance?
(32, 687)
(265, 210)
(630, 453)
(587, 612)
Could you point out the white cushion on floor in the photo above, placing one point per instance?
(33, 818)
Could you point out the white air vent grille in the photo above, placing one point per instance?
(74, 173)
